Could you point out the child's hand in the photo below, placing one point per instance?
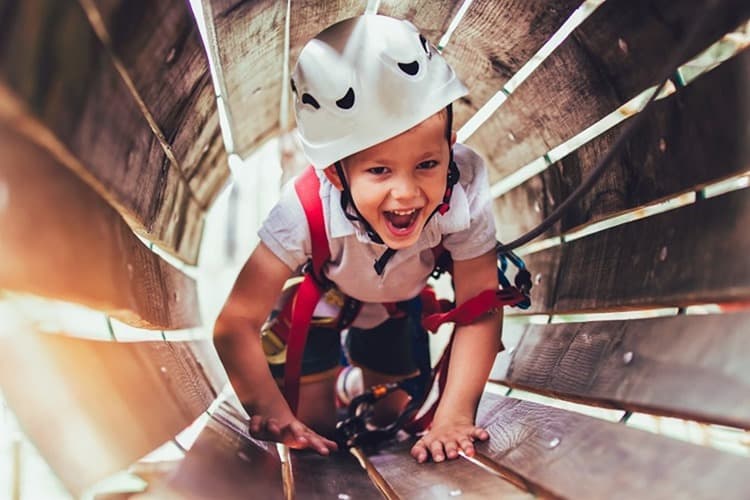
(445, 439)
(294, 434)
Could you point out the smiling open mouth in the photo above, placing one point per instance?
(402, 220)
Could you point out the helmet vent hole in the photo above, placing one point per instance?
(425, 45)
(308, 99)
(410, 69)
(347, 101)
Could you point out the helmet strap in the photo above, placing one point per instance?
(347, 199)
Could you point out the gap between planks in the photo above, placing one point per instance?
(95, 19)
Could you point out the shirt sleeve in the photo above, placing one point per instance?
(285, 231)
(479, 238)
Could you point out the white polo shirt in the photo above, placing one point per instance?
(467, 230)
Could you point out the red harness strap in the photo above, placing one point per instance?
(465, 314)
(309, 292)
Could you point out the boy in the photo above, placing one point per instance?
(372, 102)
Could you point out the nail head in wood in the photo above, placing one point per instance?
(627, 358)
(623, 45)
(663, 254)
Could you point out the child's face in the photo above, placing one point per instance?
(398, 183)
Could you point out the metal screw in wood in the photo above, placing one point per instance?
(627, 358)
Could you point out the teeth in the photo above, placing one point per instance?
(404, 212)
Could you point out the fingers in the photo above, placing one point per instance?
(295, 434)
(419, 451)
(303, 437)
(448, 444)
(436, 449)
(264, 428)
(480, 434)
(466, 446)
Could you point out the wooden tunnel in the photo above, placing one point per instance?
(110, 136)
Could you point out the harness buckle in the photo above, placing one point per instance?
(355, 430)
(273, 346)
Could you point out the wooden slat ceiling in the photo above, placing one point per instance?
(120, 93)
(690, 138)
(494, 40)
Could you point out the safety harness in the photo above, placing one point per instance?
(293, 323)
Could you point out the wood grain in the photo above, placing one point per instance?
(696, 254)
(494, 40)
(431, 18)
(249, 41)
(607, 60)
(450, 479)
(691, 367)
(160, 49)
(561, 454)
(61, 86)
(336, 476)
(693, 137)
(222, 464)
(91, 407)
(62, 241)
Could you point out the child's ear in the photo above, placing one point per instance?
(333, 177)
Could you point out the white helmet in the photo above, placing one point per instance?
(364, 80)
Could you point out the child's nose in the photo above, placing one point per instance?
(406, 187)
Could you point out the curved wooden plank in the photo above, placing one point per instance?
(114, 402)
(696, 254)
(249, 44)
(697, 135)
(160, 49)
(494, 40)
(310, 17)
(606, 61)
(431, 18)
(222, 464)
(445, 480)
(561, 454)
(692, 367)
(336, 476)
(62, 241)
(62, 88)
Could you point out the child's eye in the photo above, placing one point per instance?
(377, 170)
(427, 165)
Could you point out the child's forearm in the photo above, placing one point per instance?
(247, 368)
(473, 354)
